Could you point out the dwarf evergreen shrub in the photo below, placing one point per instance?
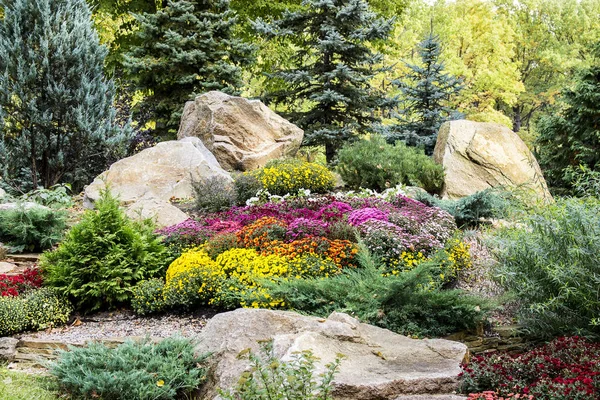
(31, 228)
(134, 370)
(103, 257)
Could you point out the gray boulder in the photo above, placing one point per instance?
(378, 363)
(243, 134)
(478, 156)
(145, 182)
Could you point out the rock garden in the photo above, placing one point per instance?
(197, 205)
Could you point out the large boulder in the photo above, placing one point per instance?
(378, 363)
(477, 156)
(243, 134)
(145, 182)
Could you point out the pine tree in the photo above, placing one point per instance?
(426, 91)
(56, 113)
(329, 87)
(572, 137)
(187, 48)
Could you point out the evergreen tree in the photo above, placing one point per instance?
(572, 138)
(56, 114)
(187, 48)
(329, 87)
(426, 92)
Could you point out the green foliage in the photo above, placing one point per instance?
(328, 87)
(409, 303)
(13, 315)
(469, 211)
(26, 386)
(246, 186)
(46, 309)
(213, 194)
(57, 121)
(288, 176)
(134, 370)
(148, 297)
(31, 228)
(550, 262)
(572, 138)
(185, 49)
(585, 181)
(103, 257)
(426, 91)
(37, 310)
(272, 379)
(56, 196)
(375, 164)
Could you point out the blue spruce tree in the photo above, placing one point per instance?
(186, 48)
(426, 91)
(56, 113)
(329, 89)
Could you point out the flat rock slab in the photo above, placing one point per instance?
(378, 363)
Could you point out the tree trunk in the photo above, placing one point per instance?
(516, 118)
(330, 151)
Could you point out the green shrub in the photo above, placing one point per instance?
(288, 176)
(471, 210)
(148, 297)
(213, 194)
(411, 303)
(39, 309)
(103, 257)
(270, 378)
(31, 228)
(13, 315)
(246, 186)
(375, 164)
(46, 309)
(134, 370)
(56, 196)
(550, 263)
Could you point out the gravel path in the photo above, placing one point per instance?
(121, 324)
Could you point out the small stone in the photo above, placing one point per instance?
(6, 267)
(8, 348)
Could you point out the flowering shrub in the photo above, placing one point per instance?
(305, 227)
(15, 285)
(566, 368)
(236, 252)
(185, 235)
(263, 231)
(38, 309)
(281, 177)
(358, 217)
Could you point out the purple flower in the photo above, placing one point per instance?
(358, 217)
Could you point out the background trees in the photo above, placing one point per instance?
(56, 112)
(572, 138)
(329, 83)
(186, 48)
(426, 92)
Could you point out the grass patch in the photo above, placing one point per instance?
(21, 386)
